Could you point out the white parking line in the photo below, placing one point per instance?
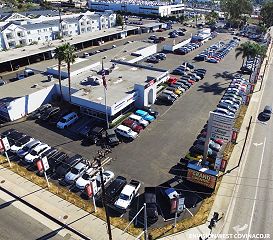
(256, 190)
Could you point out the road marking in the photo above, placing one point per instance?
(257, 144)
(256, 190)
(238, 228)
(189, 211)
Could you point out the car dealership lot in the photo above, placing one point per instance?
(157, 149)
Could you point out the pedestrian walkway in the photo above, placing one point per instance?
(58, 208)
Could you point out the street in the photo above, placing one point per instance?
(251, 210)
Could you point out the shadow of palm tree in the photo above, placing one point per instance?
(226, 75)
(214, 88)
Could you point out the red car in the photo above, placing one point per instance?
(172, 80)
(219, 141)
(133, 125)
(191, 81)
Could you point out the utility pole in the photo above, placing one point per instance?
(103, 196)
(60, 23)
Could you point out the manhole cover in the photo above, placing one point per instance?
(67, 236)
(65, 217)
(2, 181)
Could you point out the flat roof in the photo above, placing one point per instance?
(120, 83)
(23, 87)
(13, 54)
(119, 53)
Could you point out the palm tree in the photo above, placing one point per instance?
(247, 50)
(59, 55)
(261, 50)
(69, 57)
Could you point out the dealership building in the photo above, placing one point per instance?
(129, 84)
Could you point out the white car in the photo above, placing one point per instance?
(21, 143)
(26, 149)
(235, 105)
(89, 175)
(126, 132)
(75, 173)
(139, 119)
(36, 152)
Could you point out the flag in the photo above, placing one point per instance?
(103, 78)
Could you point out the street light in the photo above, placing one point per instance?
(105, 88)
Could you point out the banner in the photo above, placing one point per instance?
(201, 178)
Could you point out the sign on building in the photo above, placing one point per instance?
(5, 143)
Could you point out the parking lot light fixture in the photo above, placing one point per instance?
(105, 90)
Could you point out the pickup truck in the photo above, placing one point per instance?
(150, 200)
(127, 194)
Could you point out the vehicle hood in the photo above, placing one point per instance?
(15, 148)
(21, 152)
(70, 177)
(30, 158)
(144, 122)
(149, 118)
(81, 183)
(122, 204)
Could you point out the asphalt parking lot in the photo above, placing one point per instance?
(160, 146)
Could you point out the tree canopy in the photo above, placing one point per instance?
(235, 9)
(267, 13)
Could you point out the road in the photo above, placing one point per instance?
(15, 224)
(253, 200)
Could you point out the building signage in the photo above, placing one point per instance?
(1, 146)
(174, 203)
(223, 165)
(201, 178)
(180, 204)
(217, 117)
(221, 132)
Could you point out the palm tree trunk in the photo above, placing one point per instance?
(69, 81)
(243, 62)
(60, 82)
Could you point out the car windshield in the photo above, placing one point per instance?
(124, 197)
(18, 144)
(74, 171)
(267, 111)
(25, 148)
(85, 176)
(62, 120)
(33, 152)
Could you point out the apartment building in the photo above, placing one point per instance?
(21, 30)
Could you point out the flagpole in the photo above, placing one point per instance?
(105, 95)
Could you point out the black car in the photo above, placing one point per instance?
(95, 135)
(152, 112)
(113, 191)
(65, 167)
(54, 162)
(14, 136)
(111, 137)
(266, 113)
(151, 205)
(38, 112)
(152, 60)
(165, 99)
(7, 132)
(50, 152)
(49, 113)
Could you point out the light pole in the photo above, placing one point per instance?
(105, 93)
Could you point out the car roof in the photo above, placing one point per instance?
(69, 115)
(268, 108)
(80, 165)
(124, 128)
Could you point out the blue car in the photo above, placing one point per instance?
(146, 116)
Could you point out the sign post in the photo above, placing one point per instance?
(180, 205)
(4, 145)
(46, 167)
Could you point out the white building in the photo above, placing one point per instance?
(138, 7)
(20, 30)
(129, 85)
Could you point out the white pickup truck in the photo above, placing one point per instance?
(127, 194)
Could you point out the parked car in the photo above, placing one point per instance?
(67, 120)
(21, 143)
(87, 177)
(36, 152)
(50, 112)
(114, 189)
(165, 99)
(127, 194)
(27, 148)
(14, 136)
(151, 204)
(139, 120)
(7, 132)
(172, 80)
(95, 134)
(126, 132)
(227, 106)
(225, 112)
(111, 138)
(266, 113)
(152, 112)
(146, 116)
(152, 60)
(133, 125)
(74, 173)
(175, 90)
(67, 165)
(38, 112)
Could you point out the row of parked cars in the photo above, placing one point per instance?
(188, 48)
(135, 123)
(156, 58)
(74, 172)
(250, 65)
(208, 51)
(176, 33)
(176, 87)
(218, 55)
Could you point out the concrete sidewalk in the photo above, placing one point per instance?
(64, 211)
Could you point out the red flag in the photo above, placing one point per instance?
(103, 78)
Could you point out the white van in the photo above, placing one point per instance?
(139, 119)
(85, 54)
(126, 132)
(67, 120)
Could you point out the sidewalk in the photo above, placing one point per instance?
(64, 211)
(224, 199)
